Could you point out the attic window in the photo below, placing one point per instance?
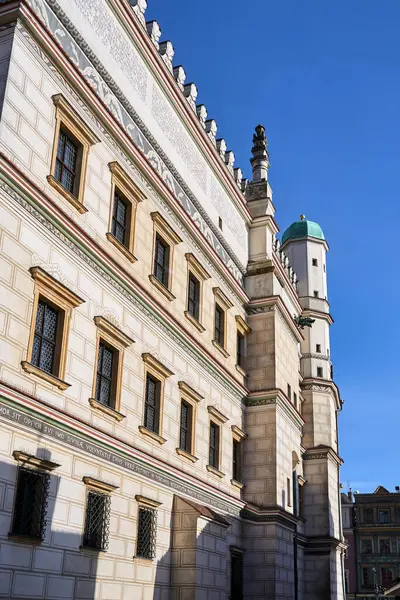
(315, 262)
(318, 348)
(316, 294)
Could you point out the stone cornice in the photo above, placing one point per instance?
(277, 397)
(322, 385)
(268, 304)
(322, 453)
(273, 514)
(318, 314)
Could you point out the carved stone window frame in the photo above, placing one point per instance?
(225, 304)
(154, 368)
(168, 235)
(193, 398)
(68, 120)
(131, 193)
(238, 435)
(195, 268)
(64, 300)
(118, 342)
(243, 330)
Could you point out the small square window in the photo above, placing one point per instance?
(316, 294)
(315, 262)
(214, 445)
(320, 372)
(97, 522)
(31, 503)
(318, 348)
(147, 533)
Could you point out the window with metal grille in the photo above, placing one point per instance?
(120, 219)
(45, 338)
(236, 461)
(66, 160)
(152, 404)
(214, 445)
(236, 576)
(147, 533)
(161, 261)
(97, 523)
(31, 503)
(219, 333)
(194, 296)
(106, 360)
(240, 350)
(185, 435)
(386, 577)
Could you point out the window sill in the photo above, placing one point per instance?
(29, 368)
(24, 539)
(92, 550)
(123, 249)
(237, 484)
(141, 560)
(194, 321)
(215, 471)
(240, 370)
(111, 412)
(154, 436)
(220, 348)
(187, 455)
(67, 195)
(161, 288)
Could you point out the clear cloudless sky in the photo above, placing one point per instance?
(324, 79)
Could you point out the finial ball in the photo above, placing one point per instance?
(302, 217)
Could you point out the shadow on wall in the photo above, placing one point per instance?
(55, 567)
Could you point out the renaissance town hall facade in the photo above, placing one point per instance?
(168, 418)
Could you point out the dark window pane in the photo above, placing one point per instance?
(236, 467)
(65, 170)
(31, 503)
(236, 576)
(44, 342)
(240, 350)
(161, 261)
(119, 226)
(214, 446)
(104, 379)
(219, 325)
(151, 407)
(147, 530)
(194, 297)
(97, 521)
(185, 427)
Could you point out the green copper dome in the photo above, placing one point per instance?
(303, 228)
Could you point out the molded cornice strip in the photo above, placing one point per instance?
(38, 417)
(71, 43)
(41, 207)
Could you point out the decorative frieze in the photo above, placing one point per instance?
(167, 52)
(154, 31)
(139, 8)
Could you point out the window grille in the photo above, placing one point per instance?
(240, 350)
(236, 467)
(219, 325)
(147, 532)
(236, 576)
(152, 401)
(31, 503)
(214, 445)
(185, 428)
(66, 160)
(45, 338)
(105, 367)
(161, 260)
(119, 226)
(194, 296)
(97, 524)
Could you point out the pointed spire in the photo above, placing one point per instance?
(260, 160)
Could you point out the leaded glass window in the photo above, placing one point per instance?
(67, 152)
(31, 503)
(120, 219)
(152, 404)
(105, 371)
(185, 438)
(194, 296)
(147, 532)
(161, 261)
(236, 576)
(97, 521)
(45, 338)
(219, 325)
(214, 445)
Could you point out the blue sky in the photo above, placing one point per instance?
(324, 79)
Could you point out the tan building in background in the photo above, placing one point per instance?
(168, 415)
